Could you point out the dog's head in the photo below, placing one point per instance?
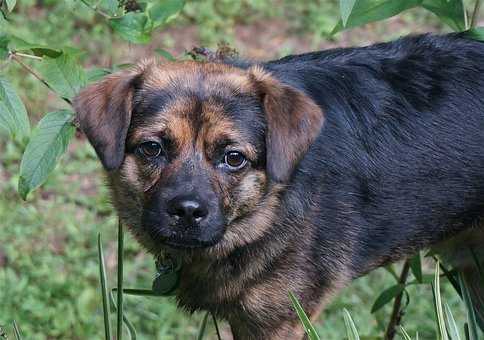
(193, 150)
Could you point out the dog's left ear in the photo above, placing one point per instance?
(293, 122)
(104, 113)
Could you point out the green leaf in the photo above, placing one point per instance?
(450, 12)
(95, 74)
(111, 7)
(48, 142)
(20, 45)
(13, 115)
(104, 288)
(471, 315)
(366, 11)
(203, 327)
(345, 7)
(351, 331)
(11, 4)
(165, 54)
(438, 304)
(4, 41)
(386, 296)
(389, 268)
(63, 74)
(134, 27)
(308, 327)
(416, 267)
(450, 323)
(160, 12)
(475, 33)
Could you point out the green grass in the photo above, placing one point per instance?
(49, 273)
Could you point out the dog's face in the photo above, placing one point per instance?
(194, 151)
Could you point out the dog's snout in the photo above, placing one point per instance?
(187, 209)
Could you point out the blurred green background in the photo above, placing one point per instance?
(48, 259)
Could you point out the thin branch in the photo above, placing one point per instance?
(397, 312)
(97, 10)
(475, 13)
(14, 56)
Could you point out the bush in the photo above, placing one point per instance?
(32, 42)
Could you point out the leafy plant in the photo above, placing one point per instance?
(59, 68)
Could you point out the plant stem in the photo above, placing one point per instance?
(28, 56)
(95, 9)
(15, 56)
(119, 329)
(475, 13)
(396, 313)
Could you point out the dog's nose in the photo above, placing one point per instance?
(189, 210)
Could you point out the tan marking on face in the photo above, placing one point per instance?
(248, 193)
(129, 173)
(249, 229)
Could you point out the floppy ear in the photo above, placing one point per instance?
(104, 113)
(293, 123)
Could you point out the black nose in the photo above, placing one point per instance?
(187, 209)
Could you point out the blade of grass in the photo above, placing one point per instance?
(203, 327)
(308, 327)
(129, 325)
(450, 323)
(137, 292)
(392, 271)
(219, 337)
(438, 304)
(416, 267)
(16, 331)
(351, 330)
(451, 277)
(104, 288)
(119, 319)
(480, 269)
(471, 316)
(405, 335)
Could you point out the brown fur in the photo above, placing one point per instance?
(229, 278)
(237, 171)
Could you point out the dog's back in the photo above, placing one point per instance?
(400, 158)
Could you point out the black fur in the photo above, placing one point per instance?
(397, 166)
(399, 163)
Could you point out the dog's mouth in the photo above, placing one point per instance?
(188, 238)
(190, 243)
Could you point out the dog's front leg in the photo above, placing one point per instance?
(276, 319)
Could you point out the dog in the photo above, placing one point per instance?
(298, 174)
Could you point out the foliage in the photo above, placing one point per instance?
(33, 275)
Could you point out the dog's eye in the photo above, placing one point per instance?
(150, 149)
(235, 160)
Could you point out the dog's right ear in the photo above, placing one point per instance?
(104, 113)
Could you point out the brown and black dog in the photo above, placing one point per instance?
(295, 175)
